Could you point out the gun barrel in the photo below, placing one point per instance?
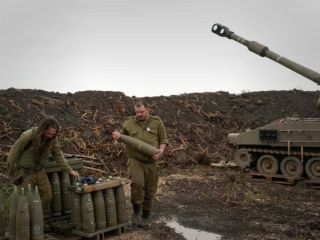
(264, 51)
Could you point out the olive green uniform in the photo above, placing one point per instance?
(142, 169)
(28, 166)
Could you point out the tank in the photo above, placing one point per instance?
(288, 147)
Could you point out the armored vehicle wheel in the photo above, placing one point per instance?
(313, 168)
(291, 167)
(242, 158)
(267, 165)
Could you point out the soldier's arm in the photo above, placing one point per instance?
(124, 129)
(163, 138)
(16, 151)
(59, 158)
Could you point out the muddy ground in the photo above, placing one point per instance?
(192, 193)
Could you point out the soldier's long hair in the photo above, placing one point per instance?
(40, 144)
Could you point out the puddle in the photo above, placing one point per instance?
(192, 234)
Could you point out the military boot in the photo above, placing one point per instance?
(136, 215)
(145, 220)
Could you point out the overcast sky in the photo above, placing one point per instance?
(152, 48)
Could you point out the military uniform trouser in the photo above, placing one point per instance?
(38, 178)
(144, 181)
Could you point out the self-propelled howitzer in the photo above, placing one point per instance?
(289, 147)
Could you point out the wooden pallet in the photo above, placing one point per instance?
(275, 178)
(106, 183)
(53, 166)
(99, 235)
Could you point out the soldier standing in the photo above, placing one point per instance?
(30, 153)
(142, 169)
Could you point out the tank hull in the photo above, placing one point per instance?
(287, 147)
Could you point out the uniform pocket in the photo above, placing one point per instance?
(152, 131)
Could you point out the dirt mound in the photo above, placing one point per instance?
(197, 124)
(214, 200)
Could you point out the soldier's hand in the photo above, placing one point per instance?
(116, 135)
(158, 155)
(75, 174)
